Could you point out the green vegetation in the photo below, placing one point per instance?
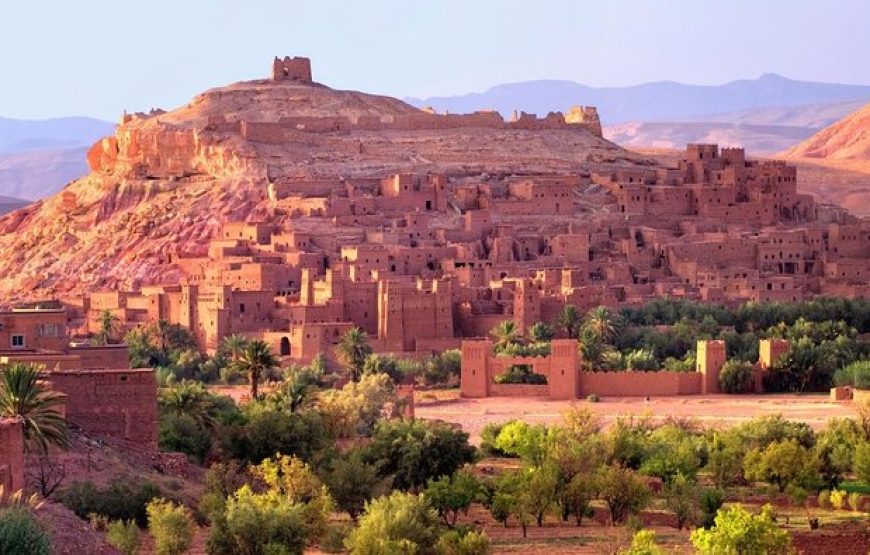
(23, 395)
(21, 534)
(171, 526)
(123, 498)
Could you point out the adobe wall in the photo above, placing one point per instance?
(11, 455)
(518, 390)
(105, 356)
(121, 404)
(641, 384)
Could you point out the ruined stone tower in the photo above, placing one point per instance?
(291, 69)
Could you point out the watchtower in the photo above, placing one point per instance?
(291, 69)
(711, 359)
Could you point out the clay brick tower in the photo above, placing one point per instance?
(11, 454)
(292, 69)
(527, 305)
(711, 359)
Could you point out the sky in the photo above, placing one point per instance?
(97, 58)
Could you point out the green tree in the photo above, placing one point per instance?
(643, 543)
(540, 332)
(415, 451)
(578, 495)
(623, 491)
(738, 531)
(463, 542)
(398, 523)
(862, 462)
(737, 377)
(255, 360)
(353, 349)
(527, 441)
(290, 478)
(641, 360)
(352, 482)
(450, 495)
(570, 320)
(356, 408)
(258, 523)
(108, 327)
(681, 498)
(781, 463)
(23, 395)
(171, 526)
(600, 322)
(190, 399)
(505, 334)
(709, 502)
(233, 345)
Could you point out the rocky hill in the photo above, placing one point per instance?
(164, 182)
(847, 139)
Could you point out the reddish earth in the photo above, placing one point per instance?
(848, 138)
(713, 410)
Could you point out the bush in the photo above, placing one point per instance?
(265, 431)
(624, 492)
(838, 499)
(856, 501)
(336, 535)
(643, 543)
(710, 501)
(463, 542)
(824, 499)
(738, 531)
(124, 498)
(522, 374)
(856, 375)
(124, 536)
(182, 434)
(20, 533)
(399, 523)
(171, 526)
(488, 437)
(737, 377)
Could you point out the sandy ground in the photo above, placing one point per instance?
(709, 410)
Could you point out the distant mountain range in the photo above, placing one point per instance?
(662, 100)
(38, 157)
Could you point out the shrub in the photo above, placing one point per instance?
(450, 495)
(856, 501)
(738, 531)
(463, 542)
(824, 499)
(643, 543)
(171, 526)
(20, 533)
(736, 377)
(124, 498)
(336, 535)
(521, 374)
(624, 492)
(861, 464)
(592, 398)
(254, 523)
(398, 523)
(856, 374)
(838, 499)
(182, 434)
(710, 501)
(123, 535)
(488, 437)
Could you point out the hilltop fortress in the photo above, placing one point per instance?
(286, 210)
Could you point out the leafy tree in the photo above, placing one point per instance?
(353, 349)
(570, 320)
(261, 431)
(527, 441)
(415, 451)
(258, 523)
(255, 361)
(709, 502)
(641, 360)
(190, 399)
(22, 395)
(357, 407)
(290, 478)
(182, 434)
(581, 423)
(669, 451)
(505, 334)
(20, 533)
(737, 377)
(171, 526)
(502, 506)
(623, 491)
(352, 482)
(538, 491)
(450, 495)
(540, 332)
(781, 463)
(579, 494)
(398, 523)
(738, 531)
(725, 458)
(681, 497)
(443, 368)
(383, 364)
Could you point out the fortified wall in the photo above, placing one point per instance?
(117, 403)
(11, 454)
(565, 379)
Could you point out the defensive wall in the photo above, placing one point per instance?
(11, 454)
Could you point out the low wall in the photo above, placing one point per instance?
(641, 384)
(519, 390)
(106, 356)
(116, 403)
(11, 455)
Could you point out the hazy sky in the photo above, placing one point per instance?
(98, 57)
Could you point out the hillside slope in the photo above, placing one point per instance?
(37, 174)
(846, 139)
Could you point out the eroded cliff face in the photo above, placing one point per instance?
(165, 182)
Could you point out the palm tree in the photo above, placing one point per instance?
(255, 360)
(189, 399)
(22, 395)
(540, 331)
(108, 327)
(570, 320)
(354, 349)
(505, 334)
(601, 323)
(234, 344)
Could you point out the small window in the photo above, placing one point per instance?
(18, 341)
